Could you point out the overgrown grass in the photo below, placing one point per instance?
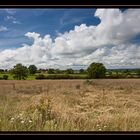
(70, 105)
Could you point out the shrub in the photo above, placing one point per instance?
(96, 70)
(66, 76)
(40, 76)
(1, 78)
(5, 77)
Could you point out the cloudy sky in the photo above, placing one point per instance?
(70, 38)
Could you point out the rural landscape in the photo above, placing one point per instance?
(73, 70)
(94, 102)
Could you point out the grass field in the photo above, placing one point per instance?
(70, 105)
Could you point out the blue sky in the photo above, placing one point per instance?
(70, 37)
(42, 21)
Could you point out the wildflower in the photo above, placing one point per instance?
(20, 114)
(30, 121)
(22, 122)
(100, 129)
(105, 126)
(12, 119)
(97, 125)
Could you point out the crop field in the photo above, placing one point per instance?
(70, 105)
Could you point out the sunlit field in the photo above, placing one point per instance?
(70, 105)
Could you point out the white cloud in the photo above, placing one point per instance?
(11, 11)
(108, 42)
(13, 19)
(10, 17)
(3, 28)
(16, 22)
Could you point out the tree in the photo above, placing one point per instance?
(5, 77)
(51, 71)
(69, 71)
(138, 72)
(20, 72)
(32, 69)
(81, 71)
(96, 70)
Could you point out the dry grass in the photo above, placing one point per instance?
(70, 105)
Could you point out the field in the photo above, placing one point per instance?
(70, 105)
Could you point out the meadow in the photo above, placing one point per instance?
(70, 105)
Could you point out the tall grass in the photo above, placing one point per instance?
(70, 105)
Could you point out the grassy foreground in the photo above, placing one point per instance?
(70, 105)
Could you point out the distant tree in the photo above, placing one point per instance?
(1, 70)
(81, 71)
(138, 72)
(5, 77)
(20, 72)
(32, 69)
(69, 71)
(57, 71)
(96, 70)
(51, 71)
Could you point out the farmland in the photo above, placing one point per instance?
(70, 105)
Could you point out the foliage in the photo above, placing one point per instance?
(51, 71)
(20, 72)
(138, 72)
(32, 69)
(65, 76)
(40, 76)
(5, 77)
(69, 71)
(96, 70)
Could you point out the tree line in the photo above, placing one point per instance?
(94, 70)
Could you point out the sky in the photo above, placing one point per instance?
(70, 38)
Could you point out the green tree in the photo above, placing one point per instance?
(81, 71)
(51, 71)
(69, 71)
(138, 72)
(5, 77)
(96, 70)
(32, 69)
(20, 72)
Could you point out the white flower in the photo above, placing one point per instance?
(97, 125)
(105, 126)
(20, 114)
(22, 122)
(30, 121)
(12, 119)
(100, 129)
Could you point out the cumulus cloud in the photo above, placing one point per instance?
(108, 42)
(3, 28)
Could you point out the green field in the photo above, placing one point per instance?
(114, 74)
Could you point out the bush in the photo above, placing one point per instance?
(5, 77)
(66, 76)
(40, 76)
(1, 78)
(96, 70)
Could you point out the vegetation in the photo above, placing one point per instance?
(5, 77)
(70, 105)
(96, 70)
(20, 72)
(32, 69)
(138, 72)
(40, 76)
